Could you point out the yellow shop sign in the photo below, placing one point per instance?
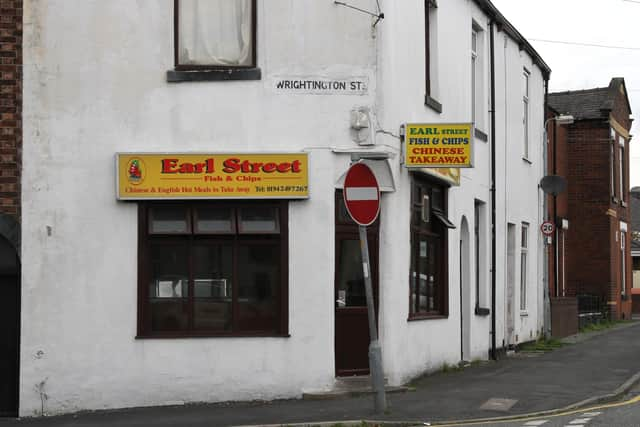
(211, 176)
(438, 145)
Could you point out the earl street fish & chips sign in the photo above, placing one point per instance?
(211, 176)
(448, 145)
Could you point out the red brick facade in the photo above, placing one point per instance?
(10, 106)
(593, 204)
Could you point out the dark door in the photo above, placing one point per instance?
(351, 321)
(9, 329)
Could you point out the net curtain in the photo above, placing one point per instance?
(215, 32)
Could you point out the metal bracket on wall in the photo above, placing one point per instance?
(379, 16)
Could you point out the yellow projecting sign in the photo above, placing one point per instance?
(211, 176)
(438, 145)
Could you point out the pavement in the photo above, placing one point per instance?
(592, 367)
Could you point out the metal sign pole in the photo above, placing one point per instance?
(375, 351)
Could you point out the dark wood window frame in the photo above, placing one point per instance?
(183, 72)
(429, 100)
(147, 239)
(435, 232)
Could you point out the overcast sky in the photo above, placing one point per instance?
(597, 22)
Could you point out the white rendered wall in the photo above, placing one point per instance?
(95, 84)
(428, 344)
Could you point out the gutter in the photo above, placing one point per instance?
(492, 111)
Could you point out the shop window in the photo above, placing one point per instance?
(209, 269)
(428, 277)
(215, 37)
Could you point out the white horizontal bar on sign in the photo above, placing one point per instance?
(362, 193)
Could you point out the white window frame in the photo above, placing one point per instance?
(526, 74)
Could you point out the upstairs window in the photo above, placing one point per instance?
(215, 33)
(623, 171)
(430, 49)
(478, 102)
(525, 111)
(214, 40)
(612, 171)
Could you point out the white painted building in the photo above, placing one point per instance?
(135, 303)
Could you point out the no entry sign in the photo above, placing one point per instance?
(361, 194)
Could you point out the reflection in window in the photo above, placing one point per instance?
(169, 219)
(351, 290)
(258, 220)
(214, 220)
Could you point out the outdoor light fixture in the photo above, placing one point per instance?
(564, 119)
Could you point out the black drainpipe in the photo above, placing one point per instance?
(494, 355)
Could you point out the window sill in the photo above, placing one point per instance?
(427, 317)
(177, 76)
(482, 311)
(614, 200)
(624, 204)
(210, 335)
(524, 159)
(480, 135)
(432, 103)
(524, 314)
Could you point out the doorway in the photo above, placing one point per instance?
(9, 328)
(511, 284)
(465, 291)
(351, 321)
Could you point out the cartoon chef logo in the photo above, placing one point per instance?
(136, 171)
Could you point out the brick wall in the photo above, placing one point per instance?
(588, 238)
(10, 106)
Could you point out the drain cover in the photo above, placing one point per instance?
(497, 404)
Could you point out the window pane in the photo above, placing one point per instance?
(351, 291)
(523, 281)
(214, 220)
(212, 290)
(168, 219)
(258, 287)
(259, 220)
(168, 290)
(215, 32)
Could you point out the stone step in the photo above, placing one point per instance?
(351, 386)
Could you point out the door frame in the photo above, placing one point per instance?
(346, 229)
(15, 277)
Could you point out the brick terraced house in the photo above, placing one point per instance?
(597, 242)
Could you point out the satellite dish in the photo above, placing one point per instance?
(553, 184)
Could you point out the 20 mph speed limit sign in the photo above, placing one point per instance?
(547, 228)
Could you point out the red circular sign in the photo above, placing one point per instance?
(547, 228)
(361, 194)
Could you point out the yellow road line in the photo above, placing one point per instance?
(537, 417)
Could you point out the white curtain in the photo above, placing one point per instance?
(215, 32)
